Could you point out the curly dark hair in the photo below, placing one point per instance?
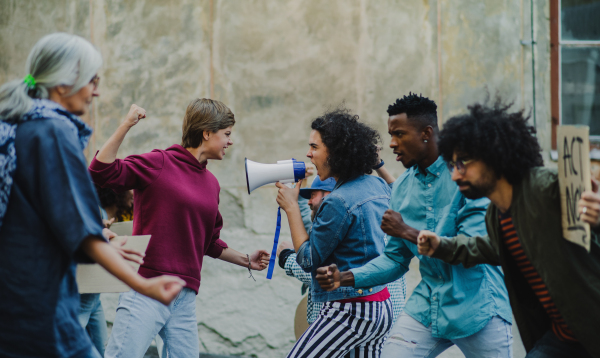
(501, 139)
(420, 110)
(108, 198)
(352, 145)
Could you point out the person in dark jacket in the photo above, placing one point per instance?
(553, 284)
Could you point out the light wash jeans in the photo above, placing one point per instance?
(410, 339)
(91, 318)
(139, 319)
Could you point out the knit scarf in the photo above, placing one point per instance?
(41, 109)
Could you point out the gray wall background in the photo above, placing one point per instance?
(277, 65)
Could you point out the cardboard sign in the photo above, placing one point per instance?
(122, 228)
(93, 278)
(574, 178)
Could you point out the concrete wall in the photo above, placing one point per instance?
(278, 64)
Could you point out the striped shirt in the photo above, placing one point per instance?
(511, 240)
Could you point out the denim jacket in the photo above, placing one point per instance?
(346, 232)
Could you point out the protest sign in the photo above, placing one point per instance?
(93, 278)
(122, 228)
(574, 178)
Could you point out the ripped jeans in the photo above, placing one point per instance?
(410, 339)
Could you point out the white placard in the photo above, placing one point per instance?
(93, 278)
(574, 178)
(122, 228)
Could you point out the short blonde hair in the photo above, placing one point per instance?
(204, 114)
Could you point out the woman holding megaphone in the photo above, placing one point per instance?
(176, 200)
(346, 232)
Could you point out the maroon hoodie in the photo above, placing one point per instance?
(176, 200)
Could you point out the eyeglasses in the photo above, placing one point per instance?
(460, 165)
(94, 81)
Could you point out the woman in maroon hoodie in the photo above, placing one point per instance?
(176, 200)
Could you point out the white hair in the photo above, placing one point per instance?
(56, 59)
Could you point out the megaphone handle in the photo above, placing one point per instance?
(275, 243)
(288, 182)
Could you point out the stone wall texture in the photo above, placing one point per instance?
(277, 65)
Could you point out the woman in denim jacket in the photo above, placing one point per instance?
(346, 232)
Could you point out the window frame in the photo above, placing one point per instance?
(556, 43)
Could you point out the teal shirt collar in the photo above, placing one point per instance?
(435, 169)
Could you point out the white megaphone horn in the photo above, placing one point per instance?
(285, 171)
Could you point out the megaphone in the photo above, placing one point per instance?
(285, 171)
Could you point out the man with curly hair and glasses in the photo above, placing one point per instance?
(452, 305)
(553, 284)
(345, 232)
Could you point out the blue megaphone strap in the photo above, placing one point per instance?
(275, 243)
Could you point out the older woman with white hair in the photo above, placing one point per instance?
(48, 206)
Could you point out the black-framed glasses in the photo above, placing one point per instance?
(460, 165)
(95, 81)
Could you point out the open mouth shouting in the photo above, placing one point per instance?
(398, 156)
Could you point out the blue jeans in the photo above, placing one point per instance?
(549, 346)
(411, 339)
(139, 319)
(91, 318)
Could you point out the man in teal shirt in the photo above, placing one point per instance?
(452, 304)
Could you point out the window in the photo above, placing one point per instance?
(575, 62)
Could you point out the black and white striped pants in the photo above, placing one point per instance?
(356, 329)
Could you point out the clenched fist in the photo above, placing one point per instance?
(135, 114)
(328, 277)
(427, 242)
(393, 225)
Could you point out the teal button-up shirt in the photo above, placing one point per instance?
(456, 302)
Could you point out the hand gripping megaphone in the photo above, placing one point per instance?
(259, 174)
(285, 171)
